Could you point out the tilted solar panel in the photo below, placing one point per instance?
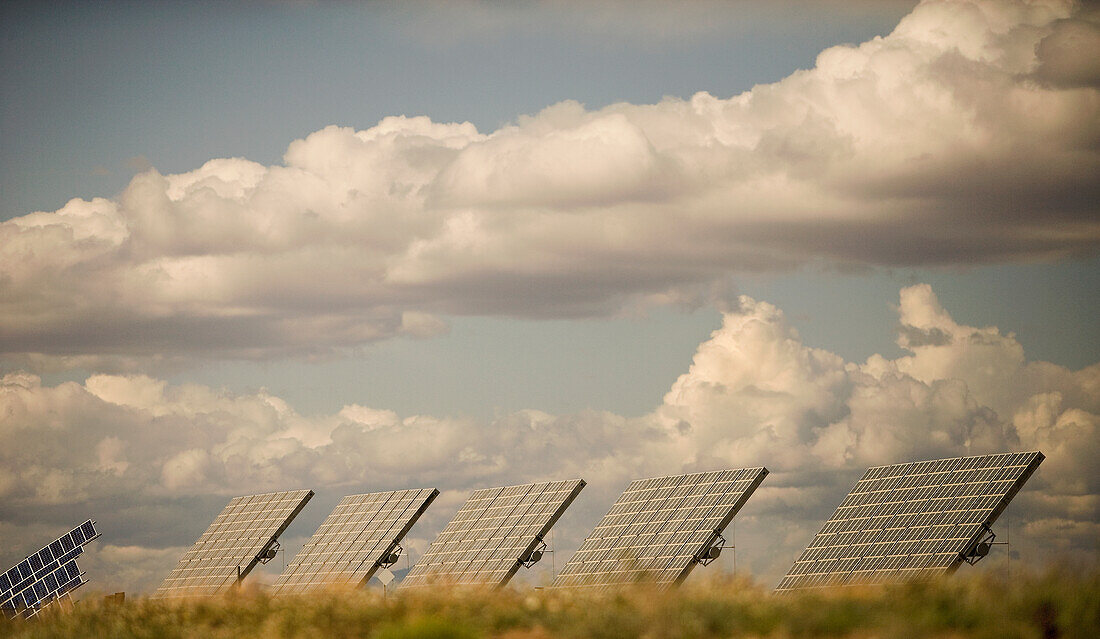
(911, 521)
(495, 532)
(660, 528)
(360, 536)
(243, 535)
(47, 574)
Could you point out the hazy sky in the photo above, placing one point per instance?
(356, 247)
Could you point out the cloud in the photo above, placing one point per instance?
(153, 461)
(1068, 56)
(967, 135)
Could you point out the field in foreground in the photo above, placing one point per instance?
(1059, 603)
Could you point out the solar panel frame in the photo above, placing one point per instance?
(492, 534)
(233, 544)
(911, 521)
(332, 557)
(658, 528)
(47, 574)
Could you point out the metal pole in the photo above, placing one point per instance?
(553, 562)
(733, 538)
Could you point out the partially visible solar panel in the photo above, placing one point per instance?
(232, 545)
(493, 534)
(914, 520)
(353, 541)
(46, 575)
(659, 529)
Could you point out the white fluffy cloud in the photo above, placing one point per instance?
(968, 134)
(152, 460)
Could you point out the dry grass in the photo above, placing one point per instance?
(1058, 603)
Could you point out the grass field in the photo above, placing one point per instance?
(1059, 603)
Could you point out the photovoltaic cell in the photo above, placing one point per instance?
(46, 575)
(493, 534)
(248, 527)
(911, 521)
(659, 528)
(351, 543)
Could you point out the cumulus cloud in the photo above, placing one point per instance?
(1068, 56)
(968, 134)
(153, 461)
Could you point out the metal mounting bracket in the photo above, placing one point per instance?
(711, 551)
(981, 547)
(535, 555)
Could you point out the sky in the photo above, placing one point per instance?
(352, 247)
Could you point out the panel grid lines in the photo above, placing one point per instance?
(485, 541)
(47, 574)
(657, 528)
(348, 546)
(244, 528)
(911, 520)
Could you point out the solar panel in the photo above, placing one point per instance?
(912, 521)
(495, 532)
(243, 535)
(46, 575)
(660, 528)
(362, 534)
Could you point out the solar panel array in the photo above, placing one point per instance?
(46, 575)
(912, 520)
(493, 533)
(658, 528)
(231, 547)
(353, 541)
